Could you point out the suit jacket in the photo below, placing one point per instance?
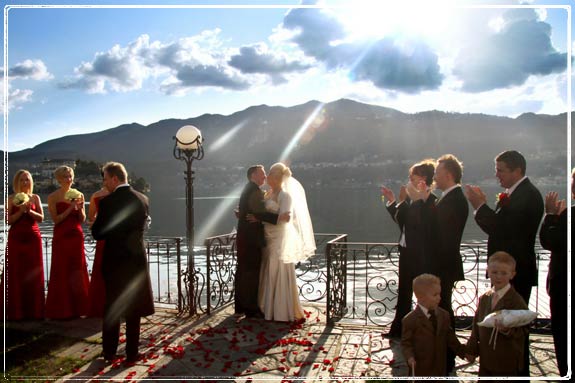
(252, 202)
(429, 348)
(553, 237)
(451, 216)
(513, 228)
(120, 222)
(507, 358)
(420, 235)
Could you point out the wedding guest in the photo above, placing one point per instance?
(426, 333)
(412, 212)
(121, 220)
(24, 272)
(503, 357)
(451, 214)
(512, 227)
(69, 281)
(97, 288)
(250, 241)
(553, 237)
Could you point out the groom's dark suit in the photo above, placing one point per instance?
(512, 228)
(120, 222)
(250, 240)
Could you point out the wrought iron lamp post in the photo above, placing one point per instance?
(188, 147)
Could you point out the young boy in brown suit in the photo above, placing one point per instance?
(426, 331)
(505, 356)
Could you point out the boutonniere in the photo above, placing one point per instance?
(503, 199)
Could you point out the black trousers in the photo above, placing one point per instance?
(524, 289)
(247, 278)
(404, 292)
(111, 334)
(558, 304)
(446, 294)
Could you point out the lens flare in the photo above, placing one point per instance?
(227, 137)
(226, 206)
(315, 119)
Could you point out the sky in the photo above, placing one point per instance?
(80, 69)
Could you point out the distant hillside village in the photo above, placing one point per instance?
(87, 176)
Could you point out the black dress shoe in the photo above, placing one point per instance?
(109, 358)
(133, 358)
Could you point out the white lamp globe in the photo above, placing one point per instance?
(188, 137)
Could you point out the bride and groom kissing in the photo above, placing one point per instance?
(274, 233)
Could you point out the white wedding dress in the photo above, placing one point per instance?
(278, 291)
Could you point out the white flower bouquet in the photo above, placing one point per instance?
(72, 194)
(21, 198)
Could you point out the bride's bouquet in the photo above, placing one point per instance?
(72, 194)
(21, 198)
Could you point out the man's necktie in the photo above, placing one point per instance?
(433, 319)
(494, 300)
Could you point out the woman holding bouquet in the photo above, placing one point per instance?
(24, 273)
(69, 282)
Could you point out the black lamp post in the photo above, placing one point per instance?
(188, 147)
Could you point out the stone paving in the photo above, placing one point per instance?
(224, 346)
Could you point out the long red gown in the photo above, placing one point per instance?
(69, 281)
(97, 288)
(24, 275)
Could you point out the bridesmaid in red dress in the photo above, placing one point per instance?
(24, 265)
(69, 281)
(97, 291)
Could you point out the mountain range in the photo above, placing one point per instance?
(346, 144)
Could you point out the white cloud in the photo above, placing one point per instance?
(30, 70)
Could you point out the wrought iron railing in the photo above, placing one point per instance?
(371, 284)
(164, 262)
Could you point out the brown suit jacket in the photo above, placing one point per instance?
(429, 349)
(507, 358)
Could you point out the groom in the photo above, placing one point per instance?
(250, 241)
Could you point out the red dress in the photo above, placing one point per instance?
(97, 288)
(24, 275)
(69, 282)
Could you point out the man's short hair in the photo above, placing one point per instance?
(426, 169)
(502, 257)
(452, 165)
(423, 281)
(116, 169)
(252, 169)
(513, 159)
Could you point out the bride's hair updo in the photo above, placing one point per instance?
(281, 169)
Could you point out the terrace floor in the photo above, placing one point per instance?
(223, 346)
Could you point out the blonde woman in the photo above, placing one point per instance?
(286, 244)
(24, 273)
(69, 281)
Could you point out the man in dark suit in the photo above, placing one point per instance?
(553, 236)
(121, 221)
(512, 227)
(249, 243)
(451, 214)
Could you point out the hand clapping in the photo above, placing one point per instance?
(553, 205)
(475, 195)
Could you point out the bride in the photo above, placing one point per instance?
(287, 243)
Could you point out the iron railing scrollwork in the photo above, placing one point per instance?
(336, 254)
